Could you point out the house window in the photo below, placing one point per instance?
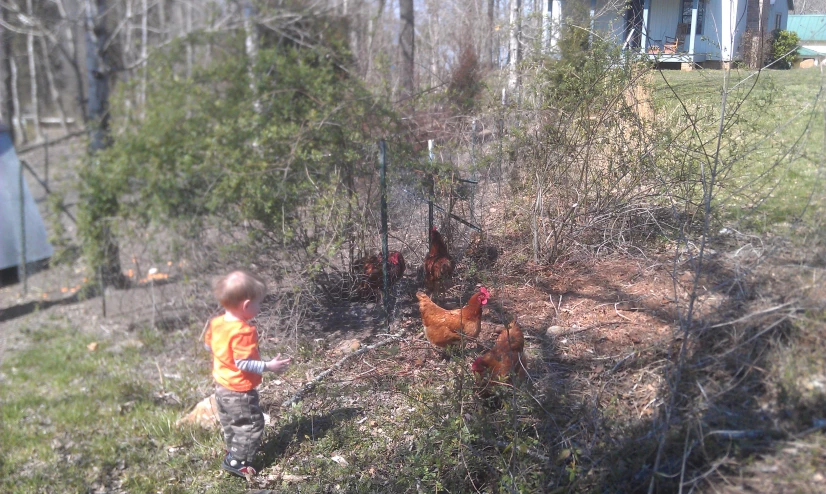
(778, 19)
(686, 14)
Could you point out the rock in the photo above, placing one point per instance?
(555, 330)
(205, 414)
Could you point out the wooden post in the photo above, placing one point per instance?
(384, 250)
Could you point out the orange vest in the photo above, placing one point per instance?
(231, 341)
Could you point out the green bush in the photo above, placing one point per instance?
(273, 154)
(784, 48)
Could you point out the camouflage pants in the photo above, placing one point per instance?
(242, 420)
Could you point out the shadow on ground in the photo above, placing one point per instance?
(304, 428)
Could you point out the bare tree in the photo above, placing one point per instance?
(251, 46)
(489, 42)
(514, 47)
(144, 54)
(38, 133)
(407, 47)
(98, 75)
(17, 122)
(57, 101)
(99, 206)
(371, 37)
(5, 74)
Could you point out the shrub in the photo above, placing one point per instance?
(784, 48)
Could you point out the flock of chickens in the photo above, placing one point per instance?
(444, 328)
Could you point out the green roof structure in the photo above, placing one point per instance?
(808, 27)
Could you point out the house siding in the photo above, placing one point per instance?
(724, 29)
(663, 17)
(723, 32)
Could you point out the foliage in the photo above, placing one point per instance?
(587, 158)
(784, 48)
(278, 154)
(466, 79)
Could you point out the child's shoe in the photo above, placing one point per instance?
(239, 468)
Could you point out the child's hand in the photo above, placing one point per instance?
(276, 365)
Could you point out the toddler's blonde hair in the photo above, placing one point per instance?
(232, 289)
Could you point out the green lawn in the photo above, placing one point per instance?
(75, 419)
(772, 151)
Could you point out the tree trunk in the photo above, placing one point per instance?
(97, 76)
(5, 76)
(188, 42)
(371, 29)
(251, 45)
(407, 47)
(57, 101)
(162, 19)
(17, 121)
(100, 205)
(72, 58)
(127, 31)
(514, 47)
(38, 133)
(144, 43)
(489, 43)
(351, 15)
(433, 24)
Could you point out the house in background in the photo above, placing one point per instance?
(811, 29)
(709, 33)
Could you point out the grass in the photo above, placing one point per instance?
(81, 420)
(773, 147)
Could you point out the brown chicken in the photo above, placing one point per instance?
(438, 266)
(368, 273)
(444, 327)
(505, 358)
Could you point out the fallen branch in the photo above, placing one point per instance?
(312, 383)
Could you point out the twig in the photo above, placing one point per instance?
(616, 366)
(615, 310)
(312, 383)
(588, 328)
(749, 316)
(160, 375)
(820, 424)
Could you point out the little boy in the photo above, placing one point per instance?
(237, 368)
